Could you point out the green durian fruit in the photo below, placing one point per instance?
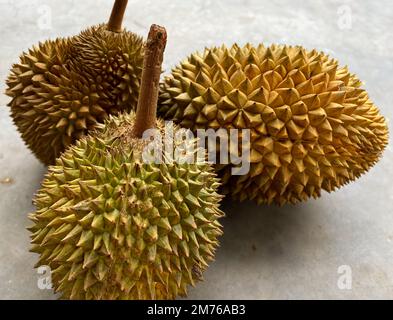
(62, 88)
(111, 226)
(312, 126)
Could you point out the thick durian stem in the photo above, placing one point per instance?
(148, 94)
(116, 18)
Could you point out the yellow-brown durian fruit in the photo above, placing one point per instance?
(62, 88)
(111, 225)
(312, 125)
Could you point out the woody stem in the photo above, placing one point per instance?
(148, 95)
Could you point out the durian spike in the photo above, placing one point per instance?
(148, 96)
(117, 14)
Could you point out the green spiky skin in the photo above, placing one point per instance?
(61, 89)
(312, 126)
(112, 227)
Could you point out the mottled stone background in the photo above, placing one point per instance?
(266, 252)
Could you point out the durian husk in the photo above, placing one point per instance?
(312, 125)
(62, 88)
(113, 227)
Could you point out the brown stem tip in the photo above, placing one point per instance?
(148, 95)
(116, 18)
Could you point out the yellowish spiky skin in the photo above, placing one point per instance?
(112, 227)
(313, 127)
(60, 89)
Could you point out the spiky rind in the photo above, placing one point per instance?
(312, 126)
(113, 61)
(61, 88)
(112, 227)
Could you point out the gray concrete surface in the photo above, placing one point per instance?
(293, 252)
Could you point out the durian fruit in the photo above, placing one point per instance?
(312, 126)
(62, 88)
(111, 226)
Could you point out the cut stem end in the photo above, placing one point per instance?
(148, 96)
